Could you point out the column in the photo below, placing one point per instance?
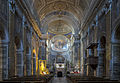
(82, 69)
(34, 64)
(90, 71)
(108, 43)
(115, 65)
(11, 35)
(3, 61)
(101, 64)
(28, 64)
(79, 56)
(19, 63)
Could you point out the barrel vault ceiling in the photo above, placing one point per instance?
(72, 12)
(60, 18)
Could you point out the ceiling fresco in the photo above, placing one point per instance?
(59, 27)
(71, 11)
(60, 43)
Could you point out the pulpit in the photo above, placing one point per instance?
(92, 60)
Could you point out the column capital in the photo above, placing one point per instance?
(12, 6)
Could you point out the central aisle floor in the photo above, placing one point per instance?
(60, 80)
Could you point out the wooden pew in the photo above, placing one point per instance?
(79, 79)
(28, 79)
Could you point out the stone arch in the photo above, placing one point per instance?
(115, 61)
(3, 53)
(117, 34)
(101, 71)
(18, 56)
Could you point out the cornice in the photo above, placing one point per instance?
(94, 8)
(29, 16)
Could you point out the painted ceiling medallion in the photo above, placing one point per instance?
(58, 5)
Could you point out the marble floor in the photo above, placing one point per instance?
(60, 80)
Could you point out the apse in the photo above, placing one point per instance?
(60, 43)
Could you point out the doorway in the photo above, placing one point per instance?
(59, 74)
